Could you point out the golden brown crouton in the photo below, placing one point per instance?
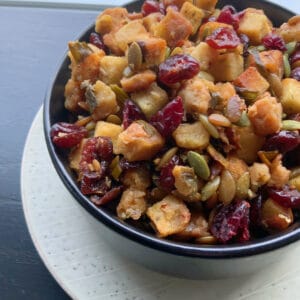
(290, 98)
(290, 31)
(139, 179)
(169, 216)
(177, 3)
(75, 156)
(193, 14)
(73, 95)
(279, 174)
(138, 82)
(208, 5)
(151, 20)
(259, 175)
(236, 167)
(265, 115)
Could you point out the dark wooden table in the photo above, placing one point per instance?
(33, 40)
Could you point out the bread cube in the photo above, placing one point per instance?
(251, 80)
(290, 98)
(151, 100)
(290, 31)
(75, 155)
(193, 14)
(151, 20)
(111, 69)
(139, 81)
(206, 4)
(255, 24)
(177, 3)
(73, 95)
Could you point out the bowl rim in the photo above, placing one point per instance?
(250, 248)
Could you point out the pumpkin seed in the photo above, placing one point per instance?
(291, 47)
(166, 157)
(210, 188)
(290, 125)
(205, 75)
(115, 168)
(261, 48)
(217, 156)
(135, 56)
(295, 172)
(168, 52)
(83, 120)
(242, 186)
(207, 240)
(90, 98)
(90, 125)
(79, 50)
(244, 120)
(246, 94)
(176, 50)
(219, 120)
(199, 164)
(227, 187)
(287, 66)
(114, 119)
(120, 94)
(211, 129)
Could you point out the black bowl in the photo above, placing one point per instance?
(203, 261)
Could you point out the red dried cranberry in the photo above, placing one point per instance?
(66, 135)
(228, 16)
(169, 118)
(105, 149)
(296, 74)
(131, 112)
(93, 183)
(177, 68)
(232, 221)
(274, 41)
(295, 57)
(151, 6)
(286, 197)
(97, 41)
(166, 179)
(223, 38)
(284, 141)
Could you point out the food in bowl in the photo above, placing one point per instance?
(187, 119)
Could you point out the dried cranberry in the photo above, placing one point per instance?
(232, 221)
(246, 42)
(127, 165)
(228, 16)
(169, 118)
(286, 197)
(274, 41)
(131, 112)
(255, 211)
(223, 38)
(66, 135)
(93, 183)
(296, 74)
(177, 68)
(284, 141)
(105, 149)
(295, 57)
(97, 41)
(151, 6)
(166, 179)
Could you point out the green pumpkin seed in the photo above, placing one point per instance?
(79, 50)
(249, 96)
(211, 129)
(295, 173)
(290, 125)
(244, 120)
(242, 186)
(168, 52)
(261, 48)
(166, 157)
(120, 94)
(114, 119)
(291, 47)
(90, 98)
(206, 240)
(199, 164)
(205, 75)
(115, 168)
(287, 66)
(176, 50)
(227, 187)
(210, 188)
(135, 56)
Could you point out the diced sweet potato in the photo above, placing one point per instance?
(75, 156)
(102, 101)
(111, 19)
(259, 175)
(236, 167)
(290, 98)
(276, 217)
(140, 141)
(193, 14)
(272, 61)
(154, 51)
(169, 216)
(151, 20)
(73, 95)
(132, 204)
(191, 136)
(251, 80)
(174, 28)
(265, 115)
(206, 4)
(139, 179)
(279, 174)
(138, 82)
(111, 69)
(109, 130)
(290, 31)
(255, 24)
(195, 95)
(209, 27)
(151, 100)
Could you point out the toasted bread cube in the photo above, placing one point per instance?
(151, 100)
(154, 51)
(290, 31)
(206, 4)
(290, 98)
(174, 28)
(177, 3)
(193, 14)
(259, 175)
(265, 115)
(111, 69)
(236, 166)
(295, 182)
(75, 155)
(73, 95)
(272, 61)
(139, 81)
(169, 216)
(140, 141)
(104, 103)
(151, 20)
(195, 96)
(255, 24)
(279, 174)
(139, 179)
(208, 28)
(251, 80)
(191, 136)
(226, 91)
(109, 130)
(227, 67)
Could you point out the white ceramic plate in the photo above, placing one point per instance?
(69, 242)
